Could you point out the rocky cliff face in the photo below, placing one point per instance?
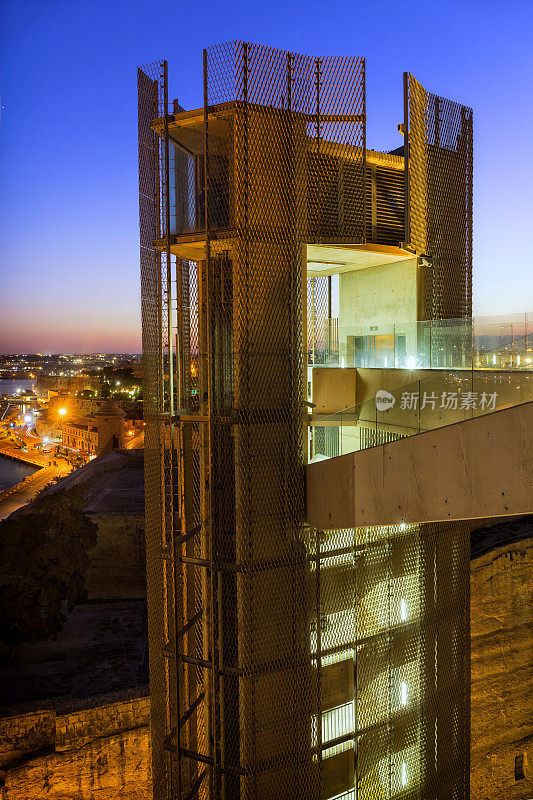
(502, 673)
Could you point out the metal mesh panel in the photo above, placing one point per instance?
(440, 179)
(262, 704)
(187, 341)
(247, 723)
(394, 609)
(336, 153)
(318, 316)
(161, 287)
(150, 91)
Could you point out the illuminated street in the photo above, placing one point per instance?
(25, 492)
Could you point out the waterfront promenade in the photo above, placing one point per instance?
(24, 492)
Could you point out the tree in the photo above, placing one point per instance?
(44, 557)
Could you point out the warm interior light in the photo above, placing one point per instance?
(403, 694)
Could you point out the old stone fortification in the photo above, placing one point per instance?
(102, 647)
(104, 753)
(65, 383)
(98, 753)
(502, 672)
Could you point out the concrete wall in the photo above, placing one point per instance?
(117, 562)
(381, 296)
(102, 753)
(333, 389)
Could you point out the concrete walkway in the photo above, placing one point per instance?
(470, 470)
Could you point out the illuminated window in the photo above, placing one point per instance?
(403, 694)
(338, 722)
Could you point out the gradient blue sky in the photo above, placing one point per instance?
(68, 136)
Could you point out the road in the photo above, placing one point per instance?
(136, 442)
(26, 491)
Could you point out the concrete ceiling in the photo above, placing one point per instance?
(332, 260)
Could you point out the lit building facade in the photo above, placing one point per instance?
(288, 661)
(95, 433)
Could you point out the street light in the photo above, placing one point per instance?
(62, 412)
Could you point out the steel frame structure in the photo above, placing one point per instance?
(275, 649)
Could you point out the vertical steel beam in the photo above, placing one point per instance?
(363, 81)
(318, 167)
(406, 156)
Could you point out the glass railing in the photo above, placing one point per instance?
(437, 400)
(435, 344)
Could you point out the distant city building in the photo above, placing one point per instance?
(96, 433)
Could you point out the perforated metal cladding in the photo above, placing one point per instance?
(318, 320)
(336, 174)
(417, 164)
(263, 702)
(278, 653)
(440, 170)
(394, 611)
(156, 444)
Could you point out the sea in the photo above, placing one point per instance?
(10, 386)
(12, 472)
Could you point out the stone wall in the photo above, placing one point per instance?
(117, 562)
(65, 383)
(502, 672)
(27, 733)
(101, 753)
